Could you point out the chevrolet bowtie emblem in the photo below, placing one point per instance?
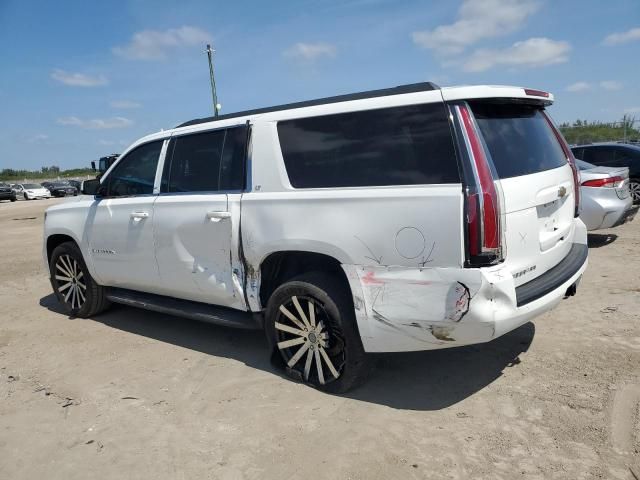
(562, 191)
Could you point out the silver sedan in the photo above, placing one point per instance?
(605, 200)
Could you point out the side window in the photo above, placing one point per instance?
(393, 146)
(206, 162)
(136, 172)
(195, 162)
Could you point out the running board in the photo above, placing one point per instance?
(204, 312)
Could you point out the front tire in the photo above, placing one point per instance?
(26, 197)
(72, 283)
(310, 321)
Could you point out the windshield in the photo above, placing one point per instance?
(31, 186)
(582, 165)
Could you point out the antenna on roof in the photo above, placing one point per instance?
(216, 105)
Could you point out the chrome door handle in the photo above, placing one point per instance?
(217, 216)
(137, 216)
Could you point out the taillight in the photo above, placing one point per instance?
(483, 207)
(536, 93)
(610, 182)
(572, 162)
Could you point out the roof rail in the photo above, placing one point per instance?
(399, 90)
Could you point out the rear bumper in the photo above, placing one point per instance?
(628, 216)
(601, 208)
(408, 309)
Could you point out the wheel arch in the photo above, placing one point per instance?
(280, 266)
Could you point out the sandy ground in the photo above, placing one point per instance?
(134, 394)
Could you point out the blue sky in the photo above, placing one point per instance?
(82, 79)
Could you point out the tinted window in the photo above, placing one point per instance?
(627, 157)
(582, 165)
(206, 162)
(394, 146)
(519, 139)
(578, 152)
(195, 163)
(136, 172)
(599, 155)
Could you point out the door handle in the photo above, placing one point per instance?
(137, 216)
(217, 216)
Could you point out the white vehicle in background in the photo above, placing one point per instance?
(410, 218)
(605, 198)
(31, 191)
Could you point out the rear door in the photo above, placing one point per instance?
(193, 223)
(537, 185)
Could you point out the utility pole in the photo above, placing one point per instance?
(216, 105)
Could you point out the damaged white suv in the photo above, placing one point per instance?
(410, 218)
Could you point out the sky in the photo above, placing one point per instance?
(83, 79)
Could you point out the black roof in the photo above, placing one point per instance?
(411, 88)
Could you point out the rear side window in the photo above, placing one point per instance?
(519, 139)
(392, 146)
(206, 162)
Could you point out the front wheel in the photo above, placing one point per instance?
(310, 321)
(72, 283)
(13, 199)
(26, 197)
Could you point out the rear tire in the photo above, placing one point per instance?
(72, 283)
(321, 344)
(13, 199)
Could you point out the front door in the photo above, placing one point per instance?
(120, 226)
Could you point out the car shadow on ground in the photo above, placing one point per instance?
(597, 240)
(429, 380)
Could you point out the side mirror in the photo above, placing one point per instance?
(91, 187)
(93, 165)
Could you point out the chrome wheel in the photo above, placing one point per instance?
(634, 189)
(305, 329)
(70, 281)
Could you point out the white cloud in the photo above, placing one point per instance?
(124, 104)
(578, 87)
(96, 123)
(611, 85)
(619, 38)
(78, 79)
(477, 20)
(309, 52)
(534, 52)
(155, 44)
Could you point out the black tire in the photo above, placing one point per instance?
(67, 263)
(335, 341)
(13, 199)
(26, 197)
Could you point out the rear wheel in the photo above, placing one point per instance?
(13, 199)
(310, 322)
(634, 188)
(72, 283)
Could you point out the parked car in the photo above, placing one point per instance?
(7, 193)
(410, 218)
(31, 191)
(76, 184)
(605, 198)
(614, 155)
(60, 189)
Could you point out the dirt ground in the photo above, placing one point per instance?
(135, 394)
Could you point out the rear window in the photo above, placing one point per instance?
(393, 146)
(519, 139)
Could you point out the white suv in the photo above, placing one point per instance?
(410, 218)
